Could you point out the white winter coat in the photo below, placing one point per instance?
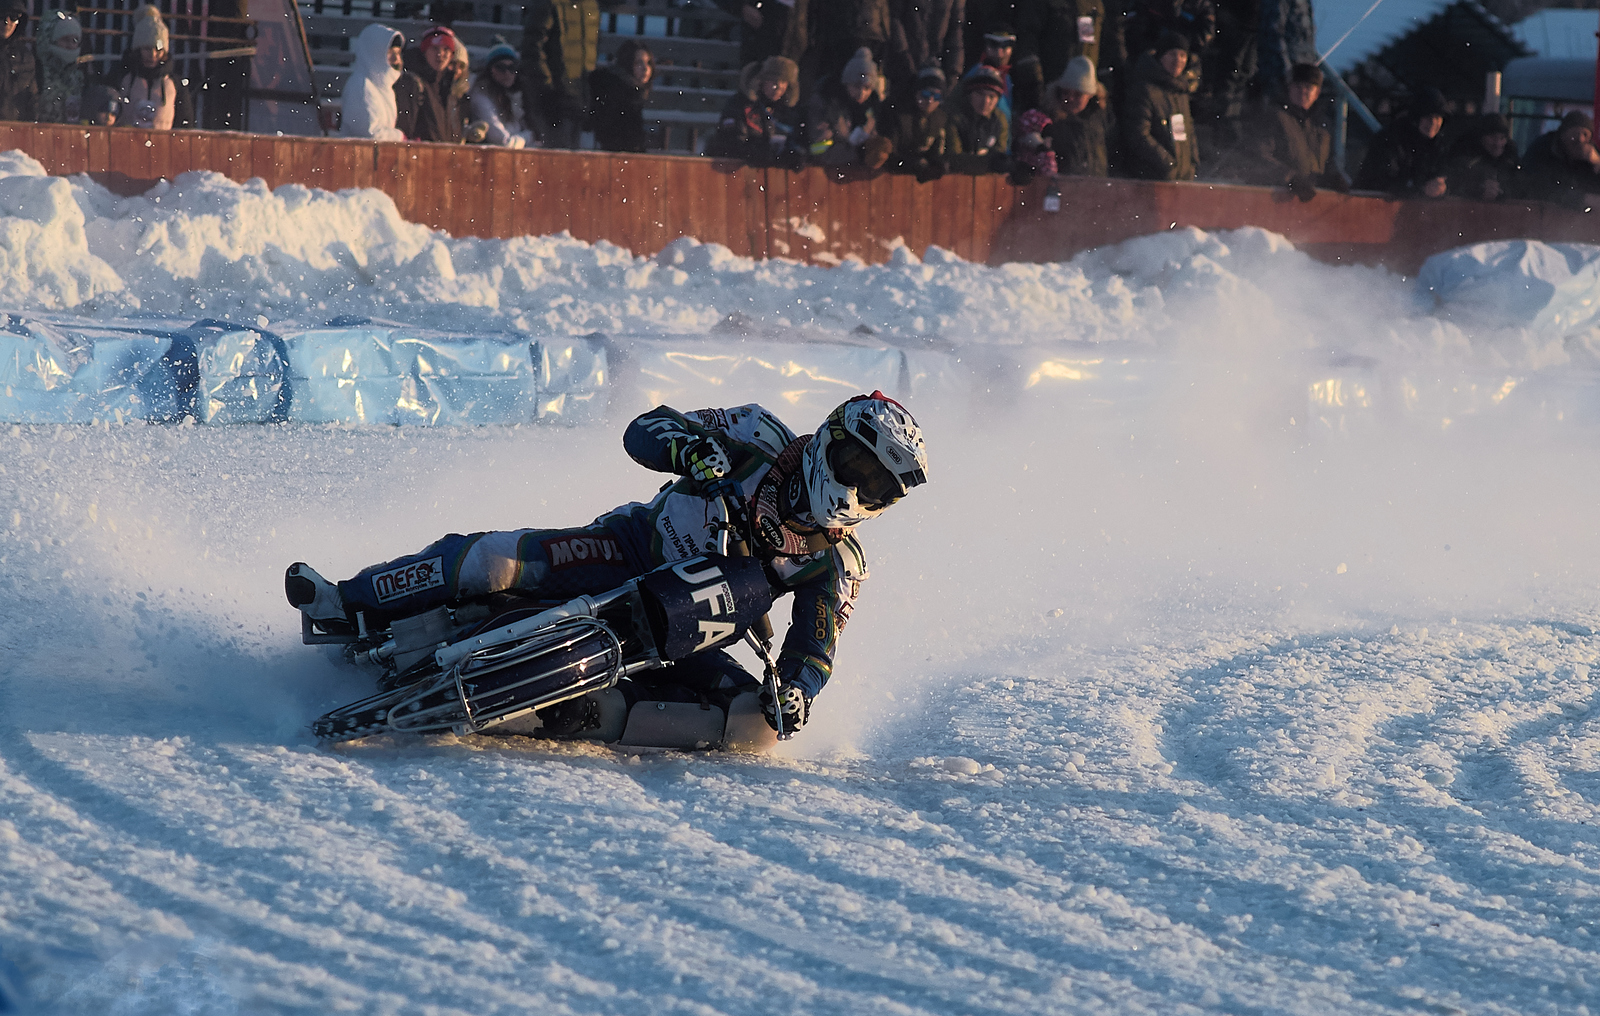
(512, 133)
(369, 106)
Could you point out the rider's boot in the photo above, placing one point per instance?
(314, 595)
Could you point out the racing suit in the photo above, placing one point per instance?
(823, 569)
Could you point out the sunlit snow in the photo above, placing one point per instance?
(1235, 659)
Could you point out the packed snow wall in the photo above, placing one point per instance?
(228, 303)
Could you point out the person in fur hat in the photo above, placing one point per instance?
(153, 98)
(1483, 163)
(1081, 127)
(19, 87)
(759, 123)
(369, 103)
(921, 134)
(496, 100)
(58, 40)
(845, 116)
(428, 107)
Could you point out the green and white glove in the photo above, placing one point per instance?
(701, 459)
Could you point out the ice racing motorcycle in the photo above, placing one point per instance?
(576, 670)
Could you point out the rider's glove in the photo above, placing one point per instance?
(795, 706)
(700, 458)
(733, 496)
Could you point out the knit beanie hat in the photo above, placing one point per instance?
(1170, 40)
(438, 36)
(930, 78)
(501, 51)
(1577, 118)
(1078, 77)
(1000, 35)
(56, 25)
(985, 78)
(149, 31)
(860, 70)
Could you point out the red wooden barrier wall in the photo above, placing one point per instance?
(643, 202)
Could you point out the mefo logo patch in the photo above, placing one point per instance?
(571, 551)
(408, 579)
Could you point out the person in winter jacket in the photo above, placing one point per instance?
(1081, 129)
(1483, 163)
(496, 101)
(847, 112)
(759, 122)
(921, 133)
(152, 98)
(428, 108)
(1407, 157)
(1157, 128)
(980, 134)
(369, 101)
(1050, 33)
(1563, 166)
(1150, 21)
(825, 35)
(999, 44)
(618, 94)
(19, 86)
(803, 498)
(560, 49)
(930, 34)
(60, 75)
(1288, 145)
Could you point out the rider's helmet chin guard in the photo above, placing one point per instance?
(866, 456)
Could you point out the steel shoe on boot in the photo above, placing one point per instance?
(314, 595)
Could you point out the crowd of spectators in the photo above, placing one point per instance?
(1162, 90)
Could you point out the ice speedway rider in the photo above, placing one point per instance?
(800, 499)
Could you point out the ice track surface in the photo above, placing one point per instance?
(1163, 696)
(1229, 775)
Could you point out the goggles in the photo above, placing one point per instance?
(930, 93)
(853, 465)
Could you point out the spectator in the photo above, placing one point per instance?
(19, 86)
(1483, 163)
(999, 43)
(982, 16)
(560, 48)
(766, 23)
(460, 83)
(930, 32)
(1286, 35)
(56, 43)
(619, 93)
(824, 35)
(921, 132)
(102, 104)
(1050, 33)
(1149, 20)
(425, 96)
(1228, 65)
(980, 135)
(1033, 152)
(369, 104)
(1563, 166)
(1081, 126)
(1406, 159)
(759, 123)
(845, 116)
(497, 102)
(1157, 132)
(151, 97)
(1289, 146)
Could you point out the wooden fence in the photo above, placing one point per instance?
(644, 202)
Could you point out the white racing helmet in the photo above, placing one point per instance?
(865, 457)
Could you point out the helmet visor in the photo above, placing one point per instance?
(854, 465)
